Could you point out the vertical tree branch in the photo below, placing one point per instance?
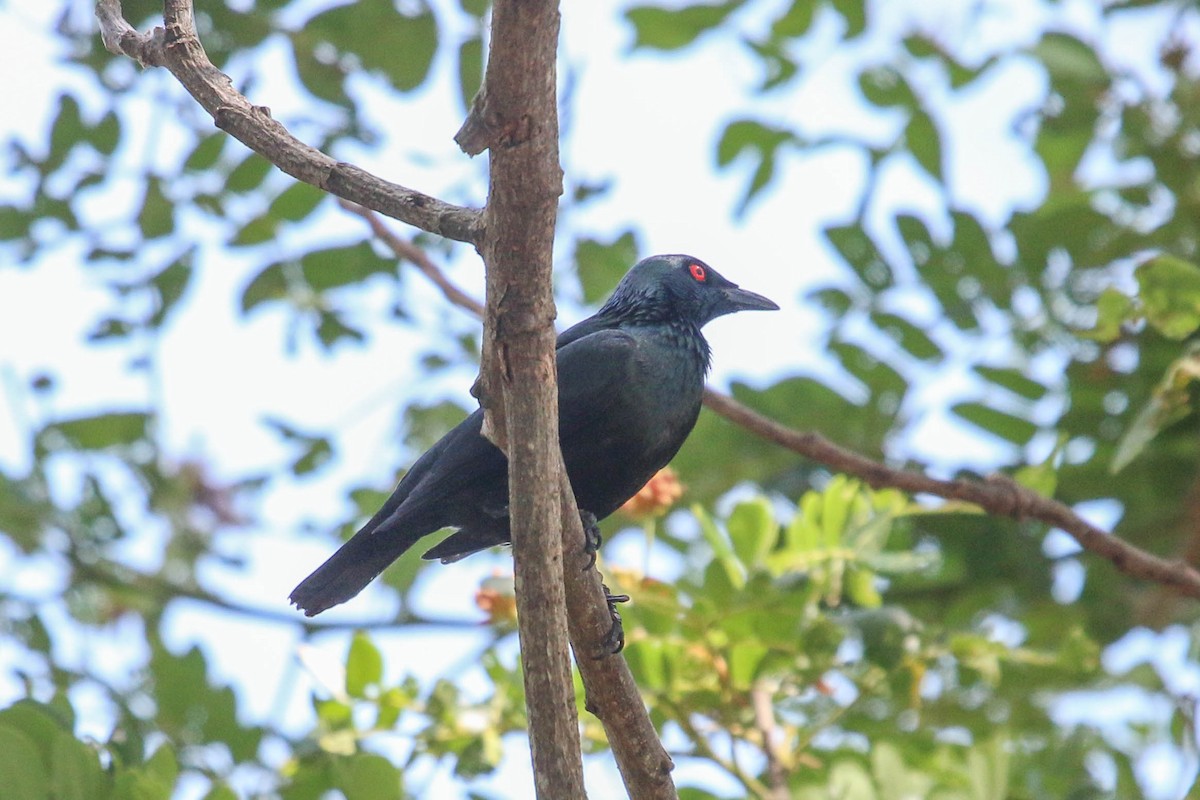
(516, 118)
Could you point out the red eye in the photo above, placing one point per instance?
(698, 272)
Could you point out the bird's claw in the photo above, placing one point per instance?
(614, 640)
(591, 537)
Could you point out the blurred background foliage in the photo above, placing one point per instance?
(807, 636)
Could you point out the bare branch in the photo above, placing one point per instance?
(998, 495)
(520, 394)
(408, 251)
(764, 721)
(177, 48)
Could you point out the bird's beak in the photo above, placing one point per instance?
(742, 300)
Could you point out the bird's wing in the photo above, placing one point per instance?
(591, 366)
(594, 372)
(584, 328)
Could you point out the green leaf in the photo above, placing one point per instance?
(795, 21)
(925, 143)
(886, 633)
(854, 12)
(76, 773)
(317, 449)
(914, 340)
(762, 143)
(104, 430)
(849, 780)
(470, 70)
(157, 217)
(258, 230)
(248, 175)
(106, 134)
(1008, 427)
(476, 8)
(1065, 56)
(886, 385)
(671, 29)
(1014, 381)
(988, 767)
(170, 284)
(40, 723)
(602, 265)
(331, 329)
(154, 780)
(907, 562)
(386, 40)
(1042, 478)
(191, 709)
(25, 774)
(723, 553)
(884, 86)
(425, 424)
(364, 666)
(745, 657)
(206, 152)
(269, 284)
(753, 530)
(1113, 309)
(367, 776)
(803, 535)
(221, 791)
(296, 202)
(1169, 403)
(857, 249)
(1169, 289)
(342, 266)
(14, 223)
(66, 132)
(23, 516)
(836, 301)
(647, 662)
(862, 588)
(321, 77)
(318, 454)
(894, 778)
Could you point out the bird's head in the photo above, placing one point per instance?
(679, 287)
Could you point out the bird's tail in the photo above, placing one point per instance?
(349, 570)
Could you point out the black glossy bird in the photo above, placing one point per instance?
(629, 380)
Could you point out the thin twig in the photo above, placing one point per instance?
(703, 747)
(764, 721)
(406, 250)
(163, 590)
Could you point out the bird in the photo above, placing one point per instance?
(630, 381)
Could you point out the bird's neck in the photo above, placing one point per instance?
(682, 336)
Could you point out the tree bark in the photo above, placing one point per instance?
(516, 119)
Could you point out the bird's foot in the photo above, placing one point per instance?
(591, 537)
(614, 640)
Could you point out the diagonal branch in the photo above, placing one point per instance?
(177, 48)
(407, 251)
(998, 495)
